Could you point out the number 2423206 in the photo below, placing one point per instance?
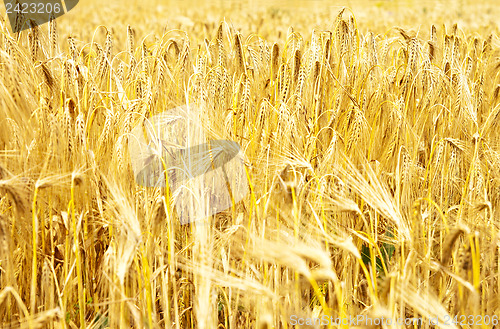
(33, 8)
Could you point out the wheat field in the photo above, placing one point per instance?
(370, 142)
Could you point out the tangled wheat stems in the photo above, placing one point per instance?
(373, 176)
